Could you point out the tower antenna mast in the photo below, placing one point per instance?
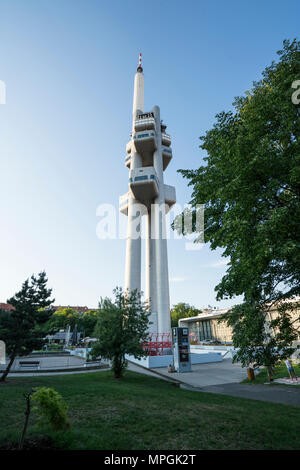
(140, 68)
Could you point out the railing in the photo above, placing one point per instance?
(158, 344)
(166, 139)
(144, 121)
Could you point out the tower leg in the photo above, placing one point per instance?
(159, 234)
(161, 281)
(150, 291)
(133, 247)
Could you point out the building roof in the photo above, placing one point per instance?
(205, 315)
(77, 308)
(6, 307)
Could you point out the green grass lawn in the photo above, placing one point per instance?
(141, 412)
(280, 372)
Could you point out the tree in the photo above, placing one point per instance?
(121, 329)
(259, 341)
(64, 317)
(23, 329)
(182, 310)
(89, 321)
(250, 188)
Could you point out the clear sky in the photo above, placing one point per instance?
(68, 66)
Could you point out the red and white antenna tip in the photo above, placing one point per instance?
(140, 69)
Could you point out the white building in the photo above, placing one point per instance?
(148, 198)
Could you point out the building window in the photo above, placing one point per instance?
(139, 178)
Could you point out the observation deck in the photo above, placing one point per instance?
(144, 184)
(165, 139)
(145, 141)
(170, 199)
(144, 122)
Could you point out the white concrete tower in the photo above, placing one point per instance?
(148, 155)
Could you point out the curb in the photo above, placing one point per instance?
(48, 371)
(169, 379)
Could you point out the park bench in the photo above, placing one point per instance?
(30, 364)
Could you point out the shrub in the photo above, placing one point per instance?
(50, 408)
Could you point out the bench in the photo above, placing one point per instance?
(30, 364)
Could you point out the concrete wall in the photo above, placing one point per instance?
(201, 357)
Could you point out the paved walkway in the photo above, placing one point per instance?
(275, 394)
(224, 378)
(212, 373)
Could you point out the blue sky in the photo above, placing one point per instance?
(68, 66)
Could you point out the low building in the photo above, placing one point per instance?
(62, 336)
(208, 326)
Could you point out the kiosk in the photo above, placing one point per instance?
(181, 349)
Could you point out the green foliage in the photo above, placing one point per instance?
(250, 187)
(64, 317)
(89, 321)
(259, 341)
(182, 310)
(24, 328)
(50, 408)
(122, 327)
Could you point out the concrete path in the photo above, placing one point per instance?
(224, 378)
(213, 373)
(270, 393)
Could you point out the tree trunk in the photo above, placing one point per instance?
(27, 414)
(270, 373)
(117, 367)
(5, 373)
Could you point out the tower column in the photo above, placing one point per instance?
(159, 235)
(150, 154)
(150, 290)
(133, 244)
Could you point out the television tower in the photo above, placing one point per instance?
(148, 155)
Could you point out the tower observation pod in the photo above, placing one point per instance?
(148, 199)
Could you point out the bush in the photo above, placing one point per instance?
(50, 408)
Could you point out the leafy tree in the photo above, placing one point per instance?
(122, 328)
(64, 317)
(250, 187)
(89, 321)
(182, 310)
(260, 341)
(24, 328)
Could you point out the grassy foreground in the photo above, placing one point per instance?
(141, 412)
